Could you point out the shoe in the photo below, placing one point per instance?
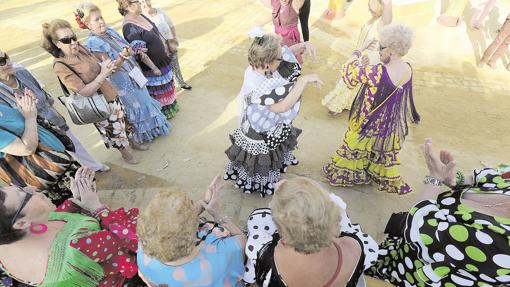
(104, 168)
(186, 87)
(128, 156)
(137, 146)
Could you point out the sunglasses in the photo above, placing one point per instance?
(3, 60)
(23, 204)
(68, 40)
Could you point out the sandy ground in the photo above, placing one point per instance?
(463, 108)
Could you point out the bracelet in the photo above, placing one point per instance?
(98, 211)
(122, 56)
(459, 178)
(432, 181)
(356, 53)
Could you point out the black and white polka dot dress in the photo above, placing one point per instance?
(448, 244)
(262, 148)
(263, 237)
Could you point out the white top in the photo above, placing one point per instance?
(163, 22)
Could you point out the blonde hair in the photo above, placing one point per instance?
(87, 8)
(168, 225)
(123, 7)
(376, 6)
(50, 36)
(398, 38)
(306, 218)
(264, 50)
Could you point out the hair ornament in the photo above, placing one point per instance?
(78, 16)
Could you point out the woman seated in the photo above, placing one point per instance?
(44, 246)
(305, 238)
(173, 253)
(15, 78)
(33, 152)
(457, 237)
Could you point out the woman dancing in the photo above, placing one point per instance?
(379, 116)
(341, 97)
(271, 96)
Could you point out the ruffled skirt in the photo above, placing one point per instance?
(162, 88)
(356, 163)
(256, 161)
(142, 111)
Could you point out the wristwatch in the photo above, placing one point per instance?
(432, 181)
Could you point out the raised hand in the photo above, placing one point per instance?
(441, 166)
(107, 66)
(83, 187)
(27, 103)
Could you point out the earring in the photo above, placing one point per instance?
(38, 229)
(268, 73)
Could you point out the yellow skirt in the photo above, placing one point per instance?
(355, 162)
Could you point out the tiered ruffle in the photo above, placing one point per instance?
(259, 171)
(354, 163)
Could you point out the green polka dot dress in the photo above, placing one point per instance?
(446, 243)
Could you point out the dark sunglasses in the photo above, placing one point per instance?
(68, 40)
(3, 60)
(23, 204)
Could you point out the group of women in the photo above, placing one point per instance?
(382, 106)
(54, 231)
(133, 73)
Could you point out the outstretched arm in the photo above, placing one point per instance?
(387, 16)
(293, 96)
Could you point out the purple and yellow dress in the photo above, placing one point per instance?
(378, 125)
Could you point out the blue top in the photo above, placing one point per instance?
(45, 102)
(219, 263)
(12, 126)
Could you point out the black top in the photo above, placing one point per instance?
(156, 49)
(266, 264)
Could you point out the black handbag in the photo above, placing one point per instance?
(396, 224)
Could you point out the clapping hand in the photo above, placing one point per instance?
(83, 187)
(27, 103)
(441, 166)
(211, 202)
(107, 66)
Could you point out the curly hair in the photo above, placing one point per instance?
(305, 216)
(398, 38)
(50, 36)
(264, 50)
(123, 7)
(168, 225)
(8, 234)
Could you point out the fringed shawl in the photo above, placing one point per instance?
(381, 109)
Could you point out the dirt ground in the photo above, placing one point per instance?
(463, 108)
